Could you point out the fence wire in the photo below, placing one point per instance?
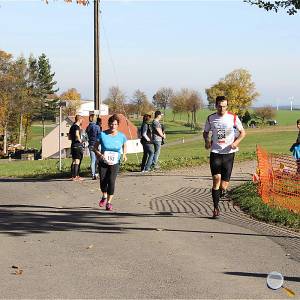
(279, 180)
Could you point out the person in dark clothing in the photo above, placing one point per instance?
(99, 123)
(76, 148)
(147, 143)
(92, 131)
(158, 136)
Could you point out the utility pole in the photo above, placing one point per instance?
(97, 94)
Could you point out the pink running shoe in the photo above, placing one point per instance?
(109, 206)
(102, 202)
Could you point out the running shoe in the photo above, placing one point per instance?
(109, 206)
(102, 202)
(216, 213)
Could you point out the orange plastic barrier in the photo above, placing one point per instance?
(278, 180)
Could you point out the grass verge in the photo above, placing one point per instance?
(249, 201)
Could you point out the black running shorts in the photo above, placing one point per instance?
(221, 164)
(76, 152)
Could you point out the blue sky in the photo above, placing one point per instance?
(149, 44)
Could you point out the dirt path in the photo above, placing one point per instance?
(159, 242)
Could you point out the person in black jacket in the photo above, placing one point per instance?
(76, 147)
(147, 143)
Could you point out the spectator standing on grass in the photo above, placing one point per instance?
(296, 148)
(147, 143)
(223, 144)
(158, 136)
(92, 130)
(112, 143)
(76, 147)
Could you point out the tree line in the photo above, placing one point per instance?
(237, 86)
(28, 92)
(26, 89)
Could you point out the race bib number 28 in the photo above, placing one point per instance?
(111, 157)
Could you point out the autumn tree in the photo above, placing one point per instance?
(239, 89)
(193, 103)
(186, 100)
(264, 113)
(177, 104)
(6, 86)
(161, 99)
(73, 98)
(115, 100)
(21, 100)
(291, 6)
(141, 103)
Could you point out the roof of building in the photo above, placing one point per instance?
(126, 126)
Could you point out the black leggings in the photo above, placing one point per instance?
(108, 175)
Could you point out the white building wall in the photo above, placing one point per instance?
(88, 106)
(50, 143)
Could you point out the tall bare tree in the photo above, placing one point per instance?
(162, 98)
(141, 103)
(115, 100)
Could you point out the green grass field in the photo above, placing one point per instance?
(277, 139)
(36, 135)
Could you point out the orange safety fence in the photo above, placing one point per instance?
(278, 179)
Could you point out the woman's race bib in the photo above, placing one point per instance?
(111, 157)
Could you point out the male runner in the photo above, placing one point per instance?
(223, 145)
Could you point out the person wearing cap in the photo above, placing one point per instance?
(92, 130)
(158, 136)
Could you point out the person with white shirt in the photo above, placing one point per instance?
(226, 134)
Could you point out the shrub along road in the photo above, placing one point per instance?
(159, 242)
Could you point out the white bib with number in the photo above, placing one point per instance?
(111, 157)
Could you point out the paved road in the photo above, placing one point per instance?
(159, 242)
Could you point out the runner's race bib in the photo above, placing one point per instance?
(221, 134)
(111, 157)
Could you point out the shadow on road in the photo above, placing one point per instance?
(21, 220)
(264, 275)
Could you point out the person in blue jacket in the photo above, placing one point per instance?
(93, 130)
(112, 143)
(296, 148)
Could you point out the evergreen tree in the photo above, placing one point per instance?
(44, 88)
